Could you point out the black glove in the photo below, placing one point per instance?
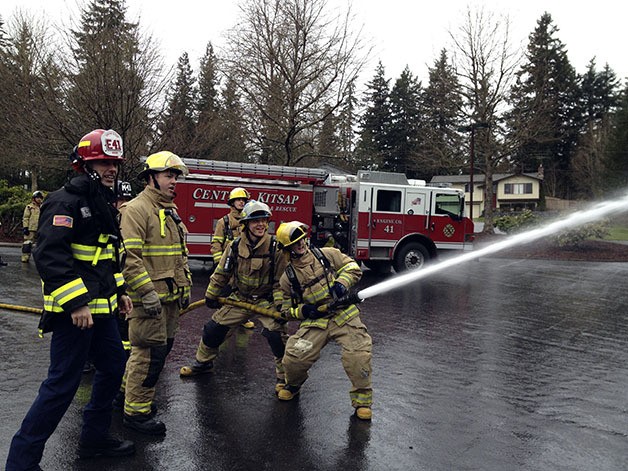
(212, 303)
(185, 302)
(337, 290)
(309, 311)
(25, 231)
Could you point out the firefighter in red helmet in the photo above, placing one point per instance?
(77, 256)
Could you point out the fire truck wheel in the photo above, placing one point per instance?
(380, 267)
(411, 256)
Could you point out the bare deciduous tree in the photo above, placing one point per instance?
(293, 62)
(485, 63)
(30, 77)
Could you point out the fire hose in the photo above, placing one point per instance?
(340, 302)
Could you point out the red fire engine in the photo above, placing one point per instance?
(379, 218)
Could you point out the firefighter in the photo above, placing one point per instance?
(159, 280)
(228, 228)
(30, 220)
(77, 259)
(123, 194)
(250, 268)
(315, 277)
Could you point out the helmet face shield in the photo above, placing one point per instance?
(162, 161)
(255, 210)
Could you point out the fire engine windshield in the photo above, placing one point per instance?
(449, 204)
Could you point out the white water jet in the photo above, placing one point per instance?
(576, 219)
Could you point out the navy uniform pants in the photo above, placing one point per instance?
(69, 348)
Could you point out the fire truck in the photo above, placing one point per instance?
(381, 219)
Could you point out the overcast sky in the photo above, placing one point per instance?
(402, 32)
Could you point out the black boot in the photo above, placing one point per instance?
(108, 446)
(144, 423)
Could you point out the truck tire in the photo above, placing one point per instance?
(380, 267)
(411, 256)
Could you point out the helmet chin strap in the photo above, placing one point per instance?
(91, 173)
(152, 176)
(296, 255)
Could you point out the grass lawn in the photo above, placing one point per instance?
(618, 233)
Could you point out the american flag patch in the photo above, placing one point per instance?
(62, 221)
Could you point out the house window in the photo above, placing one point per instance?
(518, 188)
(388, 201)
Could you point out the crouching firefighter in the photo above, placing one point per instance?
(314, 278)
(250, 268)
(77, 257)
(159, 280)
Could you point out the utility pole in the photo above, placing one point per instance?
(471, 128)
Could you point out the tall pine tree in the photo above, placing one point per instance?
(115, 80)
(373, 146)
(405, 123)
(177, 128)
(599, 98)
(545, 119)
(443, 149)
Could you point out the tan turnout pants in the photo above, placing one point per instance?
(150, 338)
(304, 349)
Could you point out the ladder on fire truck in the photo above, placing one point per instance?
(217, 167)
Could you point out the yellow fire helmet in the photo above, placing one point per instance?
(291, 232)
(162, 161)
(237, 193)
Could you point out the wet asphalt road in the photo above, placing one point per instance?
(498, 364)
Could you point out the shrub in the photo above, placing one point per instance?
(14, 199)
(572, 237)
(511, 223)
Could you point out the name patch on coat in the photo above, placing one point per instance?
(62, 221)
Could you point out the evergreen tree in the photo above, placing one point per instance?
(327, 143)
(545, 116)
(443, 149)
(616, 151)
(177, 128)
(373, 145)
(232, 142)
(403, 133)
(599, 98)
(115, 80)
(208, 127)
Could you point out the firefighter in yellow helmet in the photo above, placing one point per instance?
(315, 277)
(251, 267)
(228, 228)
(159, 279)
(30, 220)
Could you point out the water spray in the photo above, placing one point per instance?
(576, 219)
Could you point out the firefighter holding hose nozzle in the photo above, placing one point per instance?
(312, 281)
